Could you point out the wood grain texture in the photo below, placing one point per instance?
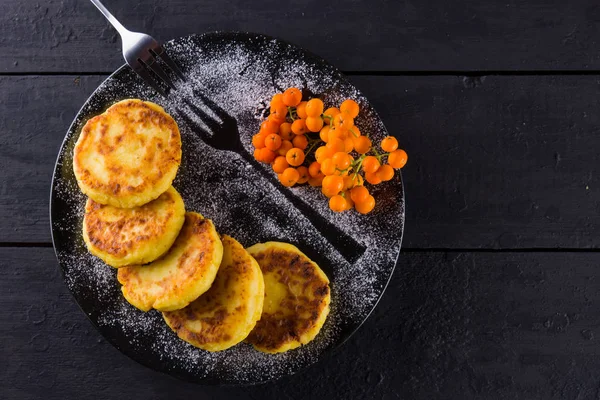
(450, 326)
(494, 162)
(357, 35)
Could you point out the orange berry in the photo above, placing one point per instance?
(362, 144)
(272, 124)
(314, 107)
(285, 130)
(341, 160)
(349, 202)
(349, 181)
(338, 203)
(328, 166)
(276, 101)
(385, 172)
(314, 169)
(314, 124)
(301, 110)
(342, 123)
(322, 153)
(324, 134)
(289, 177)
(258, 140)
(397, 159)
(370, 164)
(349, 108)
(335, 145)
(354, 131)
(316, 181)
(300, 141)
(285, 146)
(348, 144)
(279, 113)
(280, 164)
(366, 206)
(389, 144)
(329, 114)
(292, 97)
(372, 178)
(299, 127)
(295, 157)
(304, 176)
(267, 155)
(359, 194)
(336, 134)
(273, 141)
(332, 185)
(256, 154)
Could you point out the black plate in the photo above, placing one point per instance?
(239, 72)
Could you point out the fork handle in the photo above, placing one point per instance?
(118, 26)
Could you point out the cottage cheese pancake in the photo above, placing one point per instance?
(129, 155)
(180, 276)
(297, 298)
(225, 315)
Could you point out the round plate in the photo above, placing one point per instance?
(238, 72)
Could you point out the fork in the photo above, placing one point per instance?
(141, 52)
(225, 136)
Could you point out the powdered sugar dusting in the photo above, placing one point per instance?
(239, 72)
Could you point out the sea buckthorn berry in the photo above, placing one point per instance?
(332, 185)
(354, 131)
(276, 101)
(389, 144)
(292, 97)
(385, 172)
(290, 177)
(372, 178)
(279, 113)
(295, 157)
(348, 144)
(362, 144)
(349, 108)
(359, 194)
(338, 203)
(300, 141)
(328, 166)
(335, 145)
(322, 153)
(370, 164)
(314, 107)
(343, 122)
(257, 154)
(273, 141)
(324, 134)
(329, 114)
(304, 176)
(397, 159)
(299, 127)
(341, 160)
(314, 124)
(267, 155)
(301, 110)
(280, 164)
(366, 206)
(285, 146)
(272, 124)
(316, 181)
(285, 130)
(314, 169)
(258, 140)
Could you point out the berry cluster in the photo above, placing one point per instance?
(304, 142)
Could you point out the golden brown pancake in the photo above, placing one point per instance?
(224, 315)
(296, 298)
(180, 276)
(128, 155)
(139, 235)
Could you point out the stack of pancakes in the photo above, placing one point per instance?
(211, 291)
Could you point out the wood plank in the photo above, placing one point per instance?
(451, 326)
(361, 35)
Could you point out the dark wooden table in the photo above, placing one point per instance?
(497, 292)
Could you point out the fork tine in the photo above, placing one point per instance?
(161, 53)
(145, 75)
(207, 119)
(152, 63)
